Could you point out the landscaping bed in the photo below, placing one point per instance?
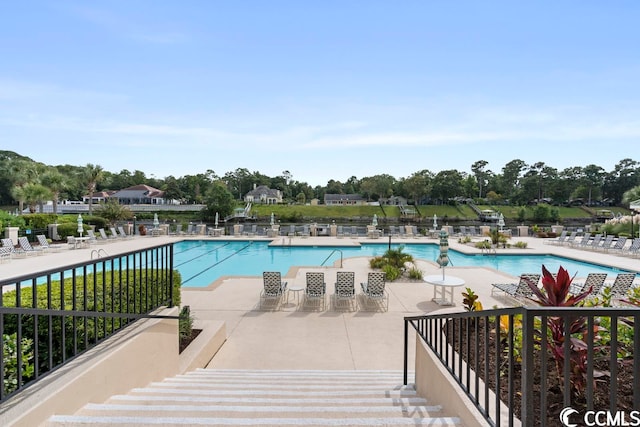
(554, 399)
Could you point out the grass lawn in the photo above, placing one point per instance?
(460, 212)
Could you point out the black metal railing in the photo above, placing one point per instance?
(515, 363)
(49, 318)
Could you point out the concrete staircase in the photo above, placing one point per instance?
(266, 398)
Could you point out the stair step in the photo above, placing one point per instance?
(126, 399)
(266, 398)
(73, 421)
(268, 392)
(185, 410)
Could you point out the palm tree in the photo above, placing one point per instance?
(23, 173)
(93, 174)
(113, 211)
(397, 257)
(56, 183)
(34, 194)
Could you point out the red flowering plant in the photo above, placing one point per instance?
(556, 292)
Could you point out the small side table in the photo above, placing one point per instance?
(296, 289)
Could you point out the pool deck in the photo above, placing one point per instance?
(332, 339)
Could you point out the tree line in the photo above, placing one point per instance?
(25, 182)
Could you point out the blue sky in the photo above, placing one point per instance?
(323, 89)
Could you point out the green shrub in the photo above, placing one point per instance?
(542, 213)
(397, 258)
(521, 245)
(101, 294)
(391, 272)
(39, 221)
(485, 244)
(10, 360)
(69, 229)
(97, 221)
(8, 220)
(415, 273)
(185, 322)
(470, 300)
(377, 262)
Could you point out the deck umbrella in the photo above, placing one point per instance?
(443, 258)
(80, 226)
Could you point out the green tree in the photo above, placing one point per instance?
(92, 175)
(172, 189)
(594, 178)
(334, 187)
(626, 175)
(479, 173)
(23, 172)
(218, 199)
(631, 195)
(113, 211)
(34, 195)
(418, 185)
(56, 183)
(378, 186)
(511, 175)
(447, 184)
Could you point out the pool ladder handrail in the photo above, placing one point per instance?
(488, 251)
(99, 253)
(332, 252)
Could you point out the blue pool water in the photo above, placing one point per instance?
(202, 262)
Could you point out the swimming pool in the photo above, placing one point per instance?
(201, 262)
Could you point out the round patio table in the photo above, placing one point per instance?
(443, 288)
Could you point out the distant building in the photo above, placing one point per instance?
(99, 197)
(344, 200)
(394, 201)
(263, 194)
(140, 194)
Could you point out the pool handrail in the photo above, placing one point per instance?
(332, 252)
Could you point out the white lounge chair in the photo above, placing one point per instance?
(622, 284)
(520, 289)
(7, 243)
(595, 281)
(316, 291)
(571, 239)
(273, 290)
(345, 292)
(606, 243)
(634, 249)
(594, 243)
(618, 245)
(557, 241)
(103, 235)
(122, 234)
(114, 233)
(27, 248)
(46, 246)
(582, 242)
(5, 254)
(374, 292)
(93, 239)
